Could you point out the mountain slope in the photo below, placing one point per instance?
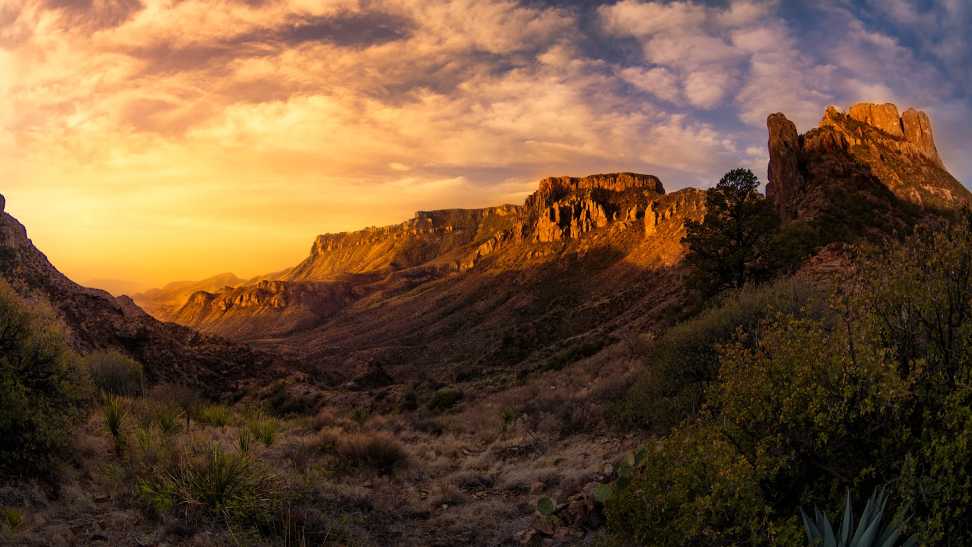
(162, 303)
(477, 287)
(95, 320)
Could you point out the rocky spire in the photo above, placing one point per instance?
(918, 131)
(3, 204)
(785, 180)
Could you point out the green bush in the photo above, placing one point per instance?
(685, 359)
(806, 404)
(115, 373)
(219, 485)
(10, 519)
(444, 399)
(693, 488)
(41, 389)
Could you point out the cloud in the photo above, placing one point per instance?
(264, 122)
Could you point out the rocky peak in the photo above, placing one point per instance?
(871, 141)
(785, 180)
(883, 116)
(918, 131)
(912, 130)
(552, 189)
(3, 203)
(568, 207)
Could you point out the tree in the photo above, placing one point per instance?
(729, 248)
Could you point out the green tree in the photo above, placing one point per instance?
(730, 246)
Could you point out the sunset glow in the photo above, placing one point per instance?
(157, 140)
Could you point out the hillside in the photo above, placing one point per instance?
(96, 320)
(163, 302)
(583, 260)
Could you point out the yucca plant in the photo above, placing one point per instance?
(115, 412)
(869, 531)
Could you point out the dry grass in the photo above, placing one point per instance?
(470, 476)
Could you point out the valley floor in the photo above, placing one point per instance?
(471, 474)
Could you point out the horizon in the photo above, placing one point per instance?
(154, 142)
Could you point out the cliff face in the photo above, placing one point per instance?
(95, 320)
(397, 286)
(871, 144)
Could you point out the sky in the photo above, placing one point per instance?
(158, 140)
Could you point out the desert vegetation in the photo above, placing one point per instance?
(785, 396)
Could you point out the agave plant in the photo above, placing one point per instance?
(868, 532)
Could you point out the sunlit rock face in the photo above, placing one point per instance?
(918, 131)
(882, 116)
(580, 256)
(870, 143)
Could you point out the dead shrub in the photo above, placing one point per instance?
(381, 453)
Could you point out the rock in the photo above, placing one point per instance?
(3, 203)
(785, 180)
(883, 116)
(918, 131)
(868, 148)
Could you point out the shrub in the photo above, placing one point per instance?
(185, 398)
(685, 359)
(228, 487)
(214, 415)
(263, 429)
(693, 488)
(115, 412)
(10, 519)
(41, 389)
(379, 452)
(444, 399)
(115, 373)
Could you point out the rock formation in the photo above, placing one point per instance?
(3, 204)
(785, 179)
(918, 131)
(882, 116)
(870, 142)
(581, 257)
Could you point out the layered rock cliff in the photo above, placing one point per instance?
(870, 144)
(621, 220)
